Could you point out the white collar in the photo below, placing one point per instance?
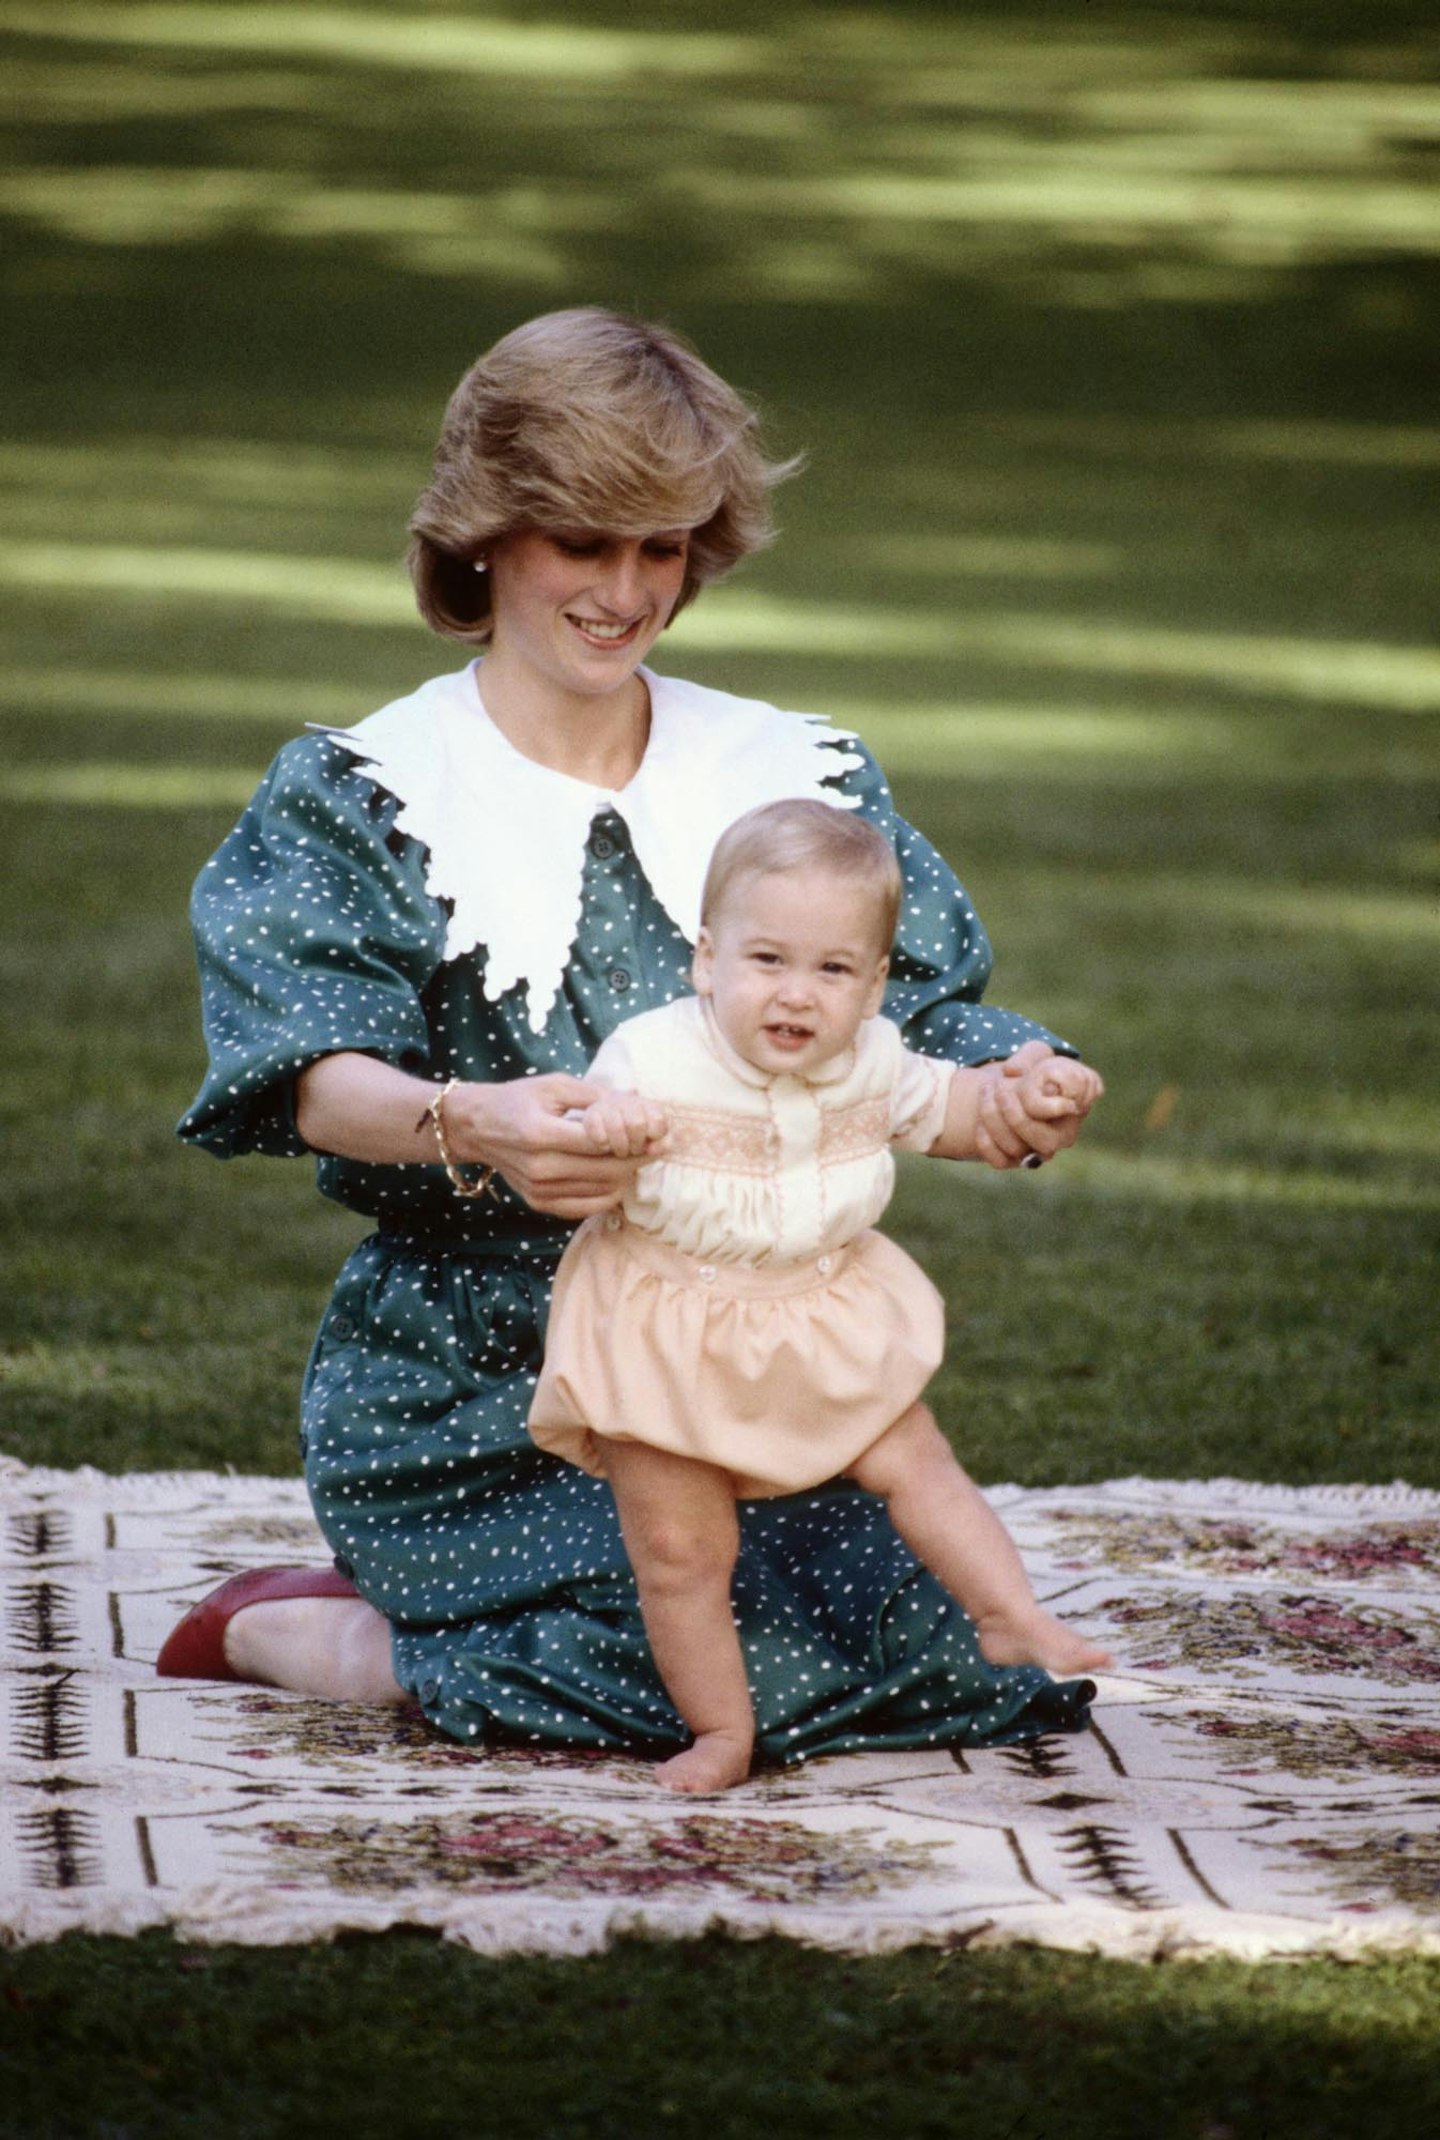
(484, 812)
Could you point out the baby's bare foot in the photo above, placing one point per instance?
(1039, 1638)
(717, 1761)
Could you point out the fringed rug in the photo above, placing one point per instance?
(1262, 1778)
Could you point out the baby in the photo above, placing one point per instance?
(736, 1328)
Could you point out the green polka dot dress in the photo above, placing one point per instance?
(330, 919)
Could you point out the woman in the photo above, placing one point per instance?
(411, 947)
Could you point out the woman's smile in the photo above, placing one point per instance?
(577, 613)
(605, 627)
(606, 635)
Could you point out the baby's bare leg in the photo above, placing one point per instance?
(682, 1534)
(948, 1524)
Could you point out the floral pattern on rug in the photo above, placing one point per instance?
(1382, 1866)
(1320, 1746)
(1305, 1634)
(340, 1736)
(349, 1737)
(755, 1860)
(1234, 1545)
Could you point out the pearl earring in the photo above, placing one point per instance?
(482, 564)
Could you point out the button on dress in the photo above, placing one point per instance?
(406, 890)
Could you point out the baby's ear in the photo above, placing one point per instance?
(876, 994)
(702, 966)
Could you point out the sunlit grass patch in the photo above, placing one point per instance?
(101, 694)
(339, 589)
(214, 472)
(985, 556)
(1275, 441)
(1190, 1179)
(1054, 740)
(116, 785)
(1403, 677)
(504, 232)
(489, 44)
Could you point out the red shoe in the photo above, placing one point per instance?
(196, 1648)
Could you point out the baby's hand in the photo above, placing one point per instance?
(1032, 1106)
(1051, 1087)
(625, 1125)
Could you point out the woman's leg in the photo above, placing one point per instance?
(337, 1648)
(948, 1524)
(682, 1534)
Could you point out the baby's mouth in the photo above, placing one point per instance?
(790, 1033)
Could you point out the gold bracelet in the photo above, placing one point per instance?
(435, 1115)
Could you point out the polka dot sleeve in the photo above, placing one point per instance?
(942, 958)
(314, 934)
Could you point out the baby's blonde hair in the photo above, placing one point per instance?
(587, 421)
(804, 834)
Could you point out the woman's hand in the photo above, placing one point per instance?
(567, 1147)
(1033, 1105)
(530, 1129)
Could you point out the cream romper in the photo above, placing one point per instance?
(739, 1309)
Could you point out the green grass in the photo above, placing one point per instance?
(1116, 539)
(708, 2039)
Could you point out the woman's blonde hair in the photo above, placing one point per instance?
(805, 834)
(586, 420)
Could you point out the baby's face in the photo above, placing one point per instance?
(790, 965)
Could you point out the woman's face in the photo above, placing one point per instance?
(580, 611)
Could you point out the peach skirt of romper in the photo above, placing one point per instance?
(781, 1376)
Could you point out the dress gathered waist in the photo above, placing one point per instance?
(780, 1376)
(738, 1281)
(537, 1245)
